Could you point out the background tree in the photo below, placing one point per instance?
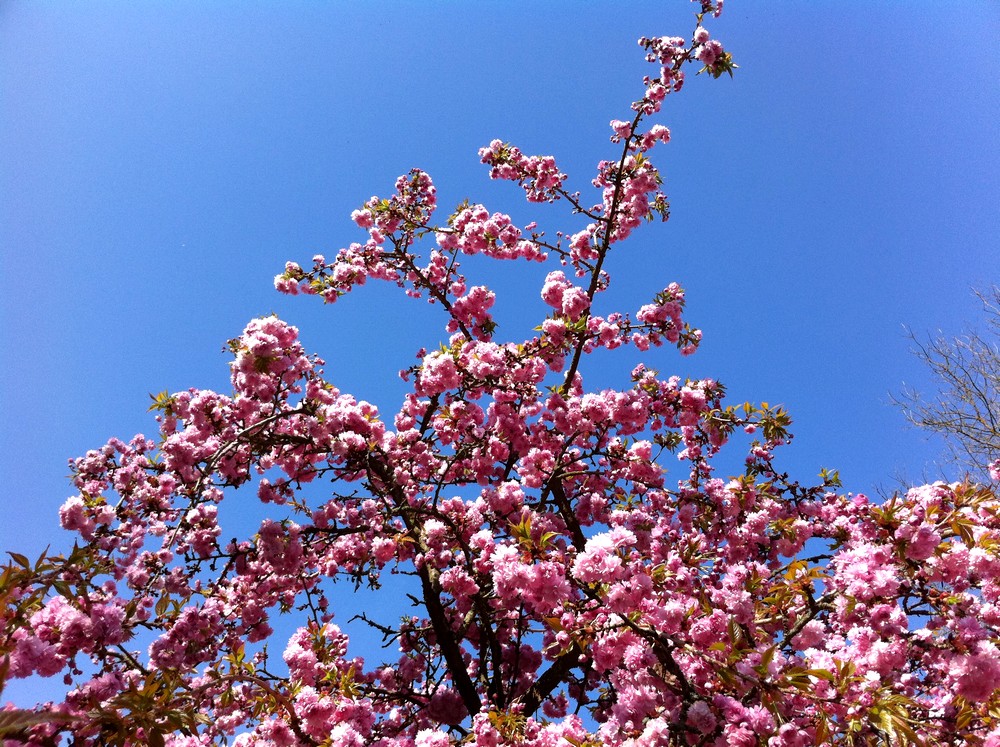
(965, 409)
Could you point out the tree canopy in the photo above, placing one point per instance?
(563, 584)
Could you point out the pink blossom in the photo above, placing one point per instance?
(438, 374)
(700, 717)
(812, 634)
(574, 303)
(977, 676)
(554, 288)
(923, 543)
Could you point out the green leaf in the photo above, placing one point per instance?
(164, 401)
(766, 658)
(161, 606)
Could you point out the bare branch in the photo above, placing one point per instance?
(965, 409)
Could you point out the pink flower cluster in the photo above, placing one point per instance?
(631, 195)
(662, 321)
(671, 53)
(568, 300)
(538, 175)
(60, 630)
(475, 231)
(643, 142)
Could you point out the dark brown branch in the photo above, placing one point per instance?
(551, 679)
(566, 510)
(431, 588)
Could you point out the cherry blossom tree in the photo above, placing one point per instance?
(563, 589)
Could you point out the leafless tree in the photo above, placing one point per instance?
(965, 409)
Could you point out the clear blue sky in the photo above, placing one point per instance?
(159, 162)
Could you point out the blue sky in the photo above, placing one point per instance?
(161, 161)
